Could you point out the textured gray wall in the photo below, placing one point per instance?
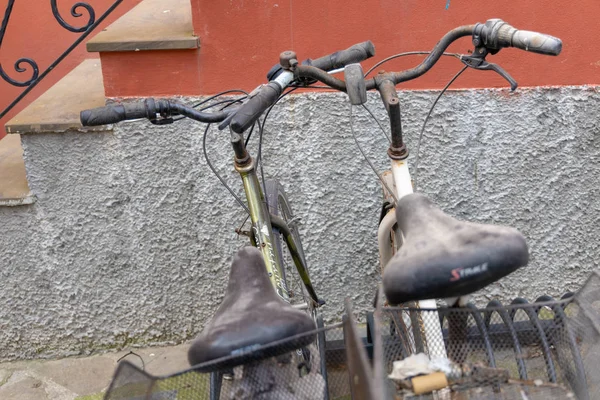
(131, 237)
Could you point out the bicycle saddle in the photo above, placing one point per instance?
(442, 257)
(251, 315)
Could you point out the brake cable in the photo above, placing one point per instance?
(378, 123)
(231, 101)
(212, 168)
(367, 158)
(261, 130)
(420, 135)
(407, 53)
(210, 165)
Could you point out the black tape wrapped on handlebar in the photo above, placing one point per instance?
(249, 112)
(354, 54)
(149, 108)
(113, 114)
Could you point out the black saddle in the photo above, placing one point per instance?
(442, 257)
(251, 316)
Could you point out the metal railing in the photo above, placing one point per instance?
(27, 65)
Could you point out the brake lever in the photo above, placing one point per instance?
(163, 118)
(225, 123)
(478, 61)
(162, 121)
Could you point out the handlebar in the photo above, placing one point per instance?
(149, 108)
(250, 111)
(113, 114)
(354, 54)
(267, 95)
(495, 34)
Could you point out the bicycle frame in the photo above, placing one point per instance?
(403, 186)
(262, 231)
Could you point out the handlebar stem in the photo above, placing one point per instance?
(241, 154)
(307, 71)
(387, 90)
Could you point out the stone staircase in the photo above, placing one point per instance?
(150, 51)
(153, 42)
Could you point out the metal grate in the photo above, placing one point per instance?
(542, 350)
(283, 374)
(526, 351)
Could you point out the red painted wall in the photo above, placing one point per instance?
(241, 39)
(33, 32)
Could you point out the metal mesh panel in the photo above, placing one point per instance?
(283, 374)
(543, 350)
(338, 385)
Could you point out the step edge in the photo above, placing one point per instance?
(151, 25)
(14, 185)
(25, 121)
(182, 43)
(31, 129)
(26, 200)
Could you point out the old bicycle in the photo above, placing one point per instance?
(479, 255)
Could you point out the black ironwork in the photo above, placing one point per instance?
(74, 13)
(25, 64)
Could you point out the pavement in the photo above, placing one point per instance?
(82, 378)
(88, 378)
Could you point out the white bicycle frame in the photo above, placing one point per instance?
(402, 187)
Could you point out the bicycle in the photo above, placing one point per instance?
(485, 253)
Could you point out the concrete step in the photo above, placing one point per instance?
(57, 110)
(151, 25)
(14, 189)
(150, 51)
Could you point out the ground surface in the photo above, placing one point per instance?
(84, 378)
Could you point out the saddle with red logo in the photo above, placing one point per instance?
(442, 257)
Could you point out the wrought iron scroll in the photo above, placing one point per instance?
(26, 65)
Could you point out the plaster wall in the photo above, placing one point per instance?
(131, 237)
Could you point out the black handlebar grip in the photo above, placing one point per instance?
(253, 108)
(531, 41)
(113, 114)
(355, 54)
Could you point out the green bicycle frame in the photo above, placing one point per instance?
(262, 232)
